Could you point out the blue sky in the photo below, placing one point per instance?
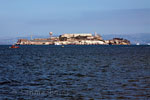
(39, 17)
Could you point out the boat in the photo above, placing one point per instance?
(57, 43)
(137, 43)
(13, 46)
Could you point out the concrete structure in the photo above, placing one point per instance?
(74, 39)
(34, 42)
(81, 36)
(76, 35)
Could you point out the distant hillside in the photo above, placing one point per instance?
(142, 38)
(12, 40)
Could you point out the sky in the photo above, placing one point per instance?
(39, 17)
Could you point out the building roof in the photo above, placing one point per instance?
(76, 34)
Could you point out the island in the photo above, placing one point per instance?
(73, 39)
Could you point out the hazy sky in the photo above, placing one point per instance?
(39, 17)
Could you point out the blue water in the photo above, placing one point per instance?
(75, 73)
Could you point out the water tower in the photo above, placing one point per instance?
(50, 33)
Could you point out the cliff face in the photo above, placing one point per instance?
(74, 39)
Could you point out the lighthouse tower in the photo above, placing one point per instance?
(95, 33)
